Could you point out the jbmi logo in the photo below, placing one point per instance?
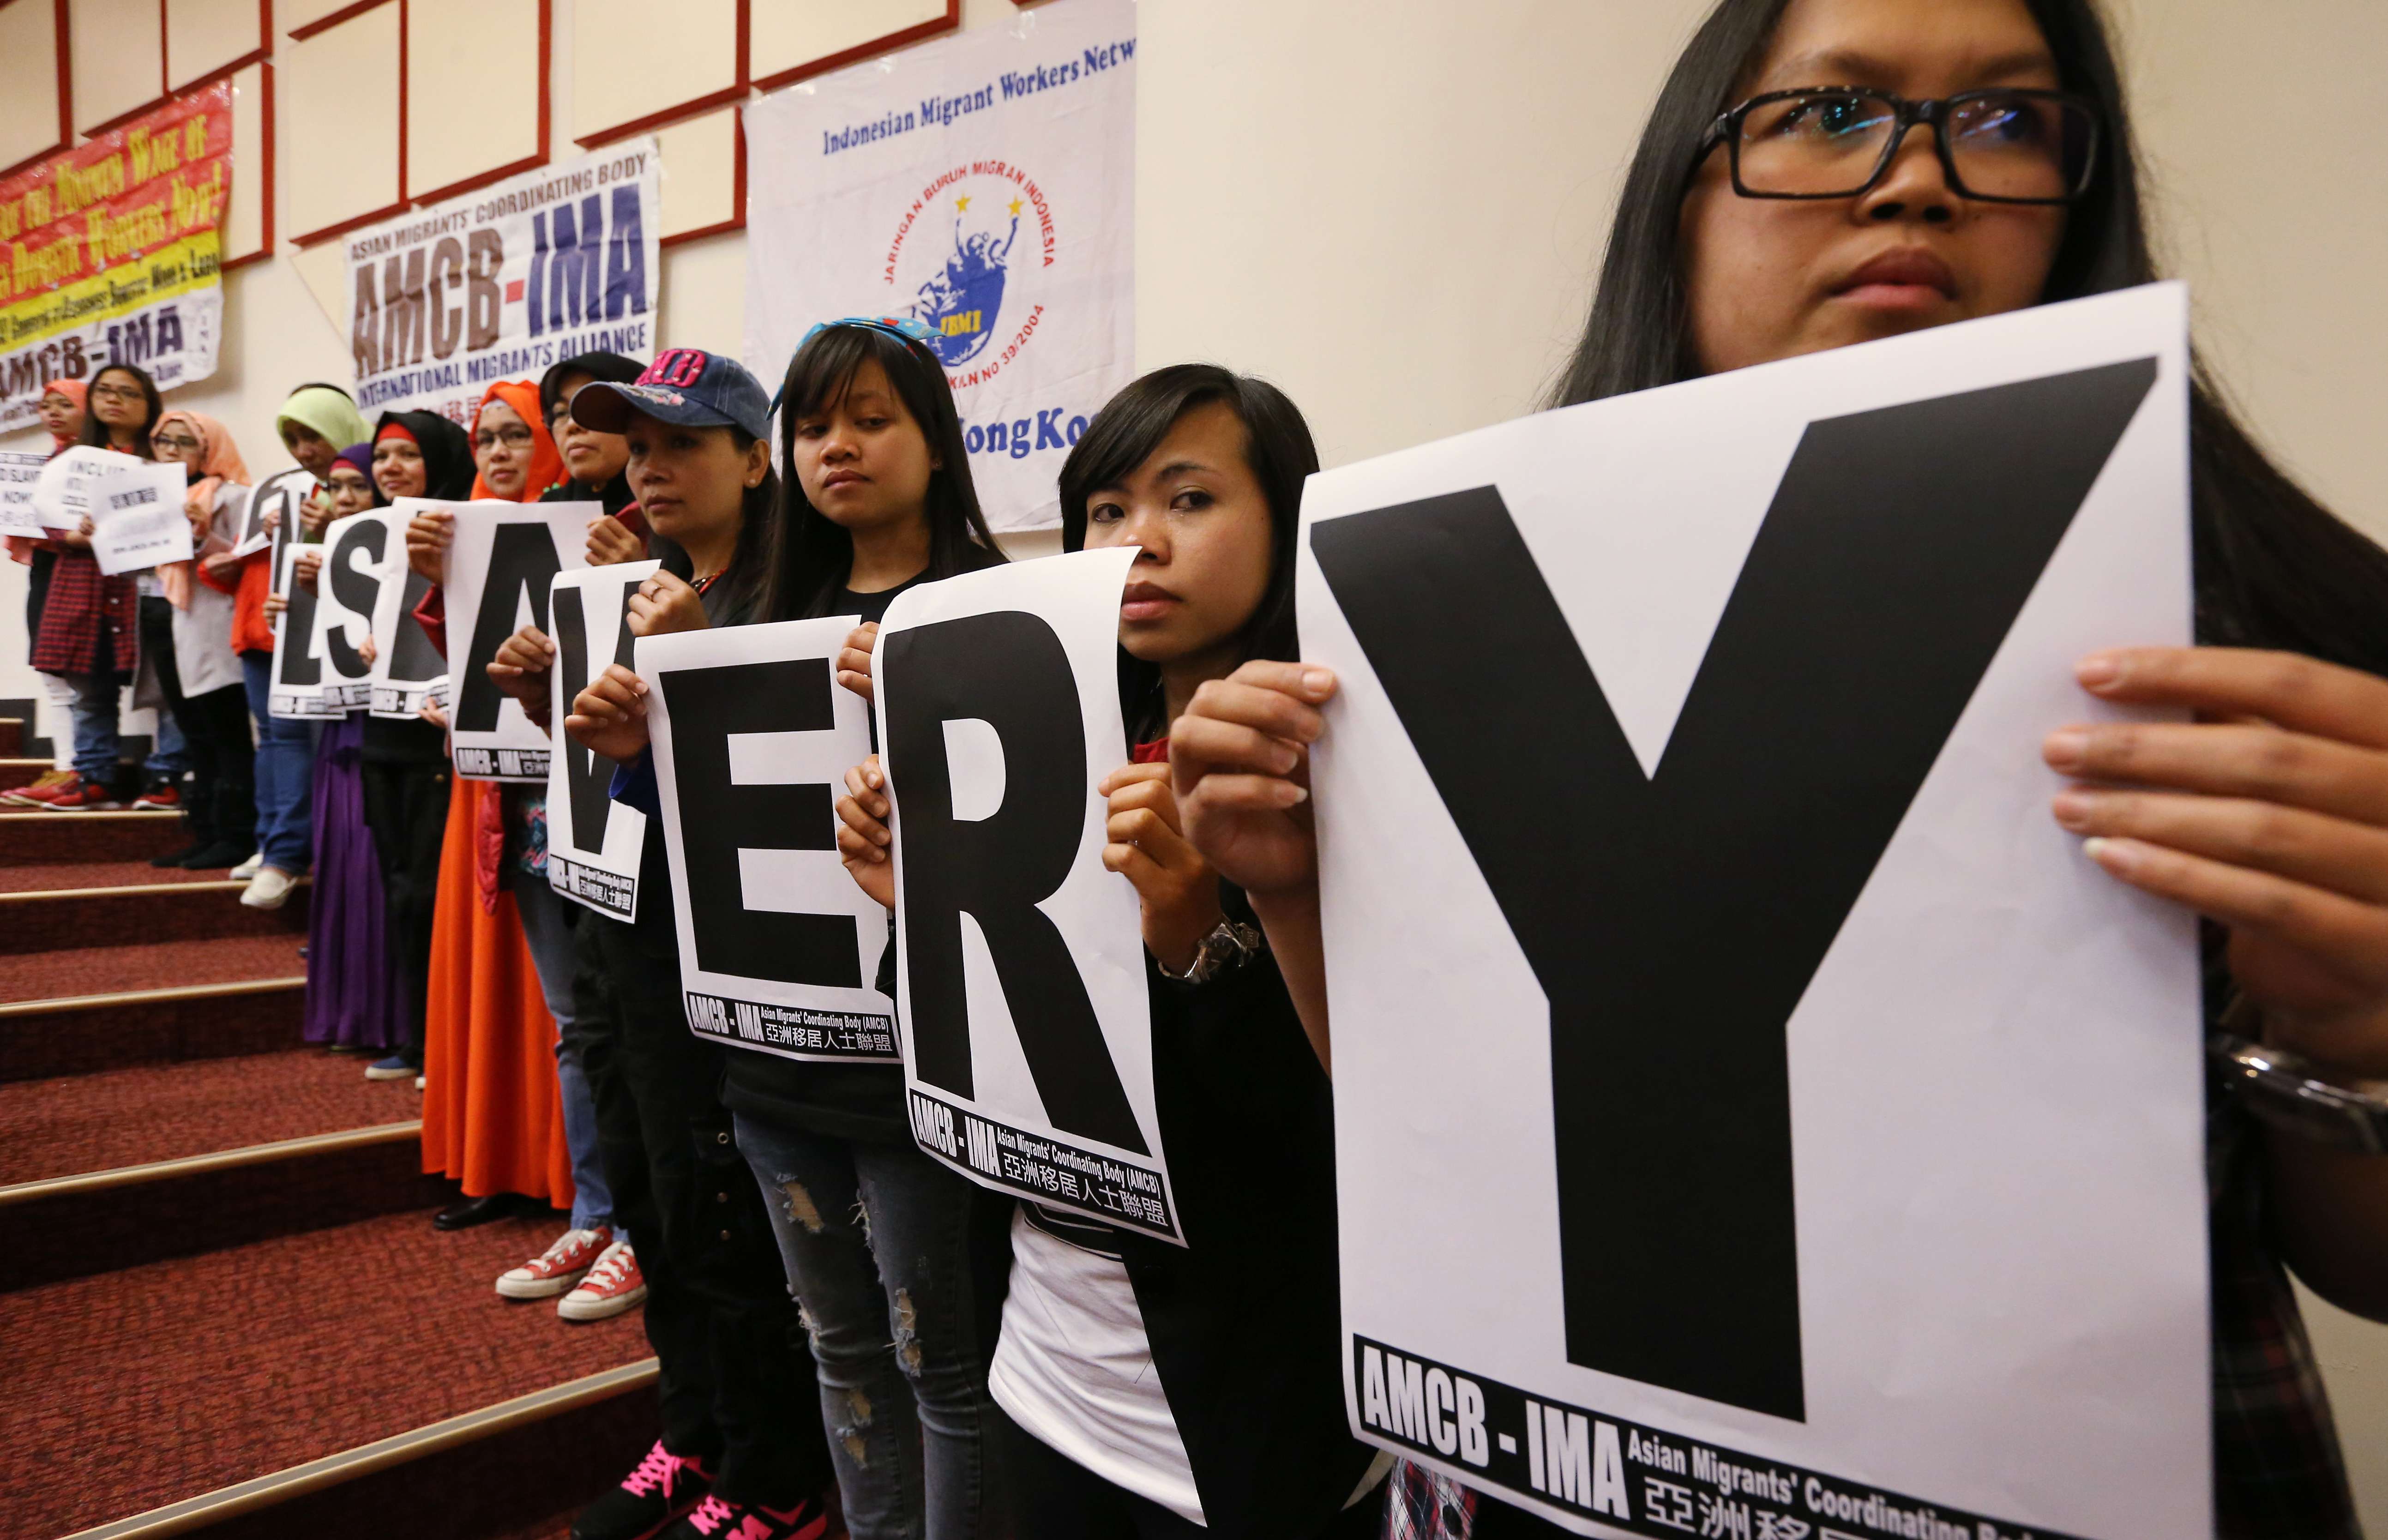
(962, 298)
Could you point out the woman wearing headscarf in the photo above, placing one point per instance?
(493, 1107)
(404, 764)
(315, 423)
(61, 411)
(199, 673)
(352, 999)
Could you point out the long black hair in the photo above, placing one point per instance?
(95, 432)
(751, 588)
(1277, 448)
(2275, 568)
(816, 555)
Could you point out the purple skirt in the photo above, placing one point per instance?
(352, 980)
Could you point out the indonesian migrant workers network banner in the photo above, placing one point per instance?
(110, 252)
(984, 184)
(503, 282)
(1743, 1157)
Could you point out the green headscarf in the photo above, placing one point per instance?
(325, 411)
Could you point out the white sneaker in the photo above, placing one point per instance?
(611, 1287)
(246, 869)
(269, 888)
(557, 1269)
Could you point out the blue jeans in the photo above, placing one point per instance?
(93, 713)
(547, 928)
(169, 756)
(876, 1241)
(286, 774)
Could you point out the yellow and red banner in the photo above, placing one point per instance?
(111, 253)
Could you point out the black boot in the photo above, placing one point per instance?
(482, 1211)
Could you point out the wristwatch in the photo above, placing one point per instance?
(1229, 944)
(2293, 1093)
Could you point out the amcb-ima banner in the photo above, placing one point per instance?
(503, 282)
(109, 253)
(985, 186)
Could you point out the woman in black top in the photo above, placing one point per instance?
(2268, 816)
(878, 1239)
(1152, 1390)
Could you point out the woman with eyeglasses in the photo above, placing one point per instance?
(1819, 173)
(200, 674)
(91, 624)
(61, 409)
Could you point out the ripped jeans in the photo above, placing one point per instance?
(876, 1239)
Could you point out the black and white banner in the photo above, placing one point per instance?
(504, 560)
(137, 519)
(276, 501)
(408, 672)
(296, 687)
(1753, 1115)
(779, 949)
(1027, 1032)
(593, 843)
(18, 473)
(364, 561)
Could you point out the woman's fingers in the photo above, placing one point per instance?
(2228, 759)
(1209, 745)
(862, 787)
(856, 844)
(2349, 935)
(1246, 793)
(2297, 692)
(1265, 709)
(2348, 858)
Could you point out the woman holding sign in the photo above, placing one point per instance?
(1148, 1389)
(743, 1451)
(1788, 197)
(204, 676)
(61, 411)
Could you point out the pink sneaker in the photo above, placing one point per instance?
(664, 1487)
(715, 1519)
(555, 1270)
(613, 1284)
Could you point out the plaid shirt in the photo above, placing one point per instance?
(83, 614)
(2277, 1474)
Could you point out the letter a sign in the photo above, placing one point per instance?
(1747, 1096)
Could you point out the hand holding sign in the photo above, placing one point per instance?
(664, 605)
(1177, 894)
(1239, 758)
(610, 717)
(862, 832)
(523, 668)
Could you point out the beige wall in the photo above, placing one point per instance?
(1395, 209)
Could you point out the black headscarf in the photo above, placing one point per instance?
(447, 452)
(613, 368)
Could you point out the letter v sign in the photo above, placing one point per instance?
(1673, 922)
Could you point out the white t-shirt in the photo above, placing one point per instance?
(1074, 1367)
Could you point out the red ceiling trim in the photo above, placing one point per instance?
(325, 23)
(855, 55)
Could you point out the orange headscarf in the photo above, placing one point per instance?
(546, 464)
(219, 462)
(75, 391)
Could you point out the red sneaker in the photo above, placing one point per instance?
(555, 1270)
(165, 796)
(81, 796)
(614, 1285)
(37, 793)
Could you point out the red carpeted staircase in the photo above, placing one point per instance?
(226, 1310)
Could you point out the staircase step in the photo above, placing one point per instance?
(14, 772)
(163, 907)
(156, 1112)
(29, 836)
(12, 736)
(85, 1034)
(176, 1379)
(82, 1225)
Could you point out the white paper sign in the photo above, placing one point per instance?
(62, 491)
(1026, 1030)
(137, 519)
(276, 501)
(296, 687)
(780, 950)
(984, 183)
(593, 843)
(18, 473)
(1726, 1038)
(365, 557)
(504, 560)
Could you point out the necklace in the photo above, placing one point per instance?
(706, 582)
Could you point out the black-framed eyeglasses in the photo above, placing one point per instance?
(2004, 146)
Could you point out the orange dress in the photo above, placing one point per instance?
(492, 1110)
